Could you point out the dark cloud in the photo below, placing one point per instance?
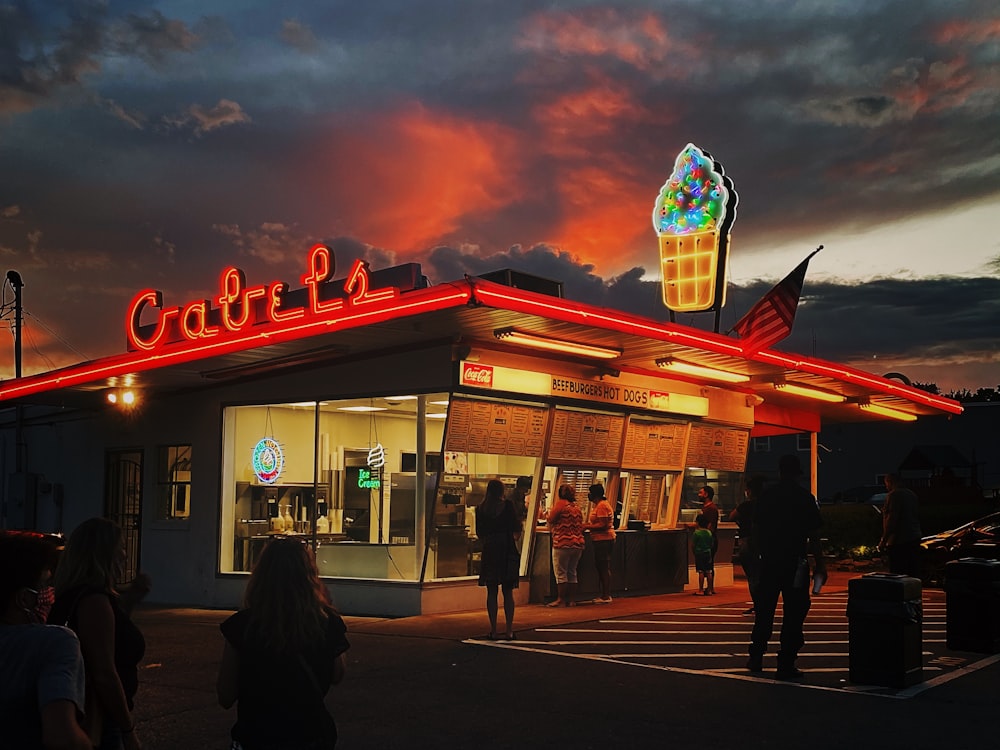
(152, 37)
(298, 35)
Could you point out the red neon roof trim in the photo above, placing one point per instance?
(509, 298)
(419, 301)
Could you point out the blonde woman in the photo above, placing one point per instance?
(86, 601)
(284, 650)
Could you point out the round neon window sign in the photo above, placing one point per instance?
(268, 460)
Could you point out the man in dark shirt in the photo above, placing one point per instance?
(785, 529)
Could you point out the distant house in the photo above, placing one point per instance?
(937, 466)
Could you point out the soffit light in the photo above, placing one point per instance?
(511, 336)
(816, 394)
(689, 368)
(888, 411)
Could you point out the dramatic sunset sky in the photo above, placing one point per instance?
(150, 144)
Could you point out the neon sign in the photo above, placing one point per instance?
(366, 481)
(268, 460)
(692, 216)
(238, 307)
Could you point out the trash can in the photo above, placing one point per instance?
(885, 621)
(972, 596)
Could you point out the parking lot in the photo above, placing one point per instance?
(711, 639)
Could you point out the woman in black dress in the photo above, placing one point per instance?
(497, 524)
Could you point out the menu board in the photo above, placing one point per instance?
(581, 437)
(655, 445)
(491, 427)
(713, 447)
(645, 492)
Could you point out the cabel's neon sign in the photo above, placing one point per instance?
(239, 307)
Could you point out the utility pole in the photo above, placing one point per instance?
(14, 278)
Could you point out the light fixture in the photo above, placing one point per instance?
(689, 368)
(511, 336)
(888, 411)
(805, 391)
(400, 398)
(437, 415)
(439, 403)
(121, 397)
(361, 408)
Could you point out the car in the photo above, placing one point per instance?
(979, 538)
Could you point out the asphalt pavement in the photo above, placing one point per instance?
(577, 677)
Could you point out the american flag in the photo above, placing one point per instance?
(770, 320)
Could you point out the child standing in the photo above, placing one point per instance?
(701, 541)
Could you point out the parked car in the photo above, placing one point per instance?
(980, 538)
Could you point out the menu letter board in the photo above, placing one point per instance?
(713, 447)
(584, 437)
(490, 427)
(655, 445)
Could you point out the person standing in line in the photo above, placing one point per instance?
(565, 522)
(711, 512)
(498, 525)
(602, 536)
(901, 527)
(42, 684)
(742, 516)
(87, 601)
(283, 652)
(785, 529)
(519, 498)
(704, 560)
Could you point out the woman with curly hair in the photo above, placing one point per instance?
(565, 524)
(87, 601)
(283, 652)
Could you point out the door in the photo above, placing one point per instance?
(123, 502)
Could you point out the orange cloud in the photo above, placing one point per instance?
(604, 218)
(569, 120)
(412, 178)
(638, 38)
(968, 31)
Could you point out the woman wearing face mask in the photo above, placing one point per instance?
(86, 601)
(41, 693)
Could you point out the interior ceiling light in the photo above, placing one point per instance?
(888, 411)
(511, 336)
(689, 368)
(808, 392)
(361, 408)
(439, 403)
(400, 398)
(437, 415)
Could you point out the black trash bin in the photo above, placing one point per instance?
(885, 621)
(972, 594)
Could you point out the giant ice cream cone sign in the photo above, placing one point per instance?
(693, 215)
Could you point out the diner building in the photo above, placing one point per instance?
(365, 414)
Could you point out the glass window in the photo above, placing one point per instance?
(761, 444)
(173, 482)
(803, 441)
(340, 472)
(728, 486)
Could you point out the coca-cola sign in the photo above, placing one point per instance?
(480, 376)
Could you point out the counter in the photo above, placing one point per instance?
(643, 562)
